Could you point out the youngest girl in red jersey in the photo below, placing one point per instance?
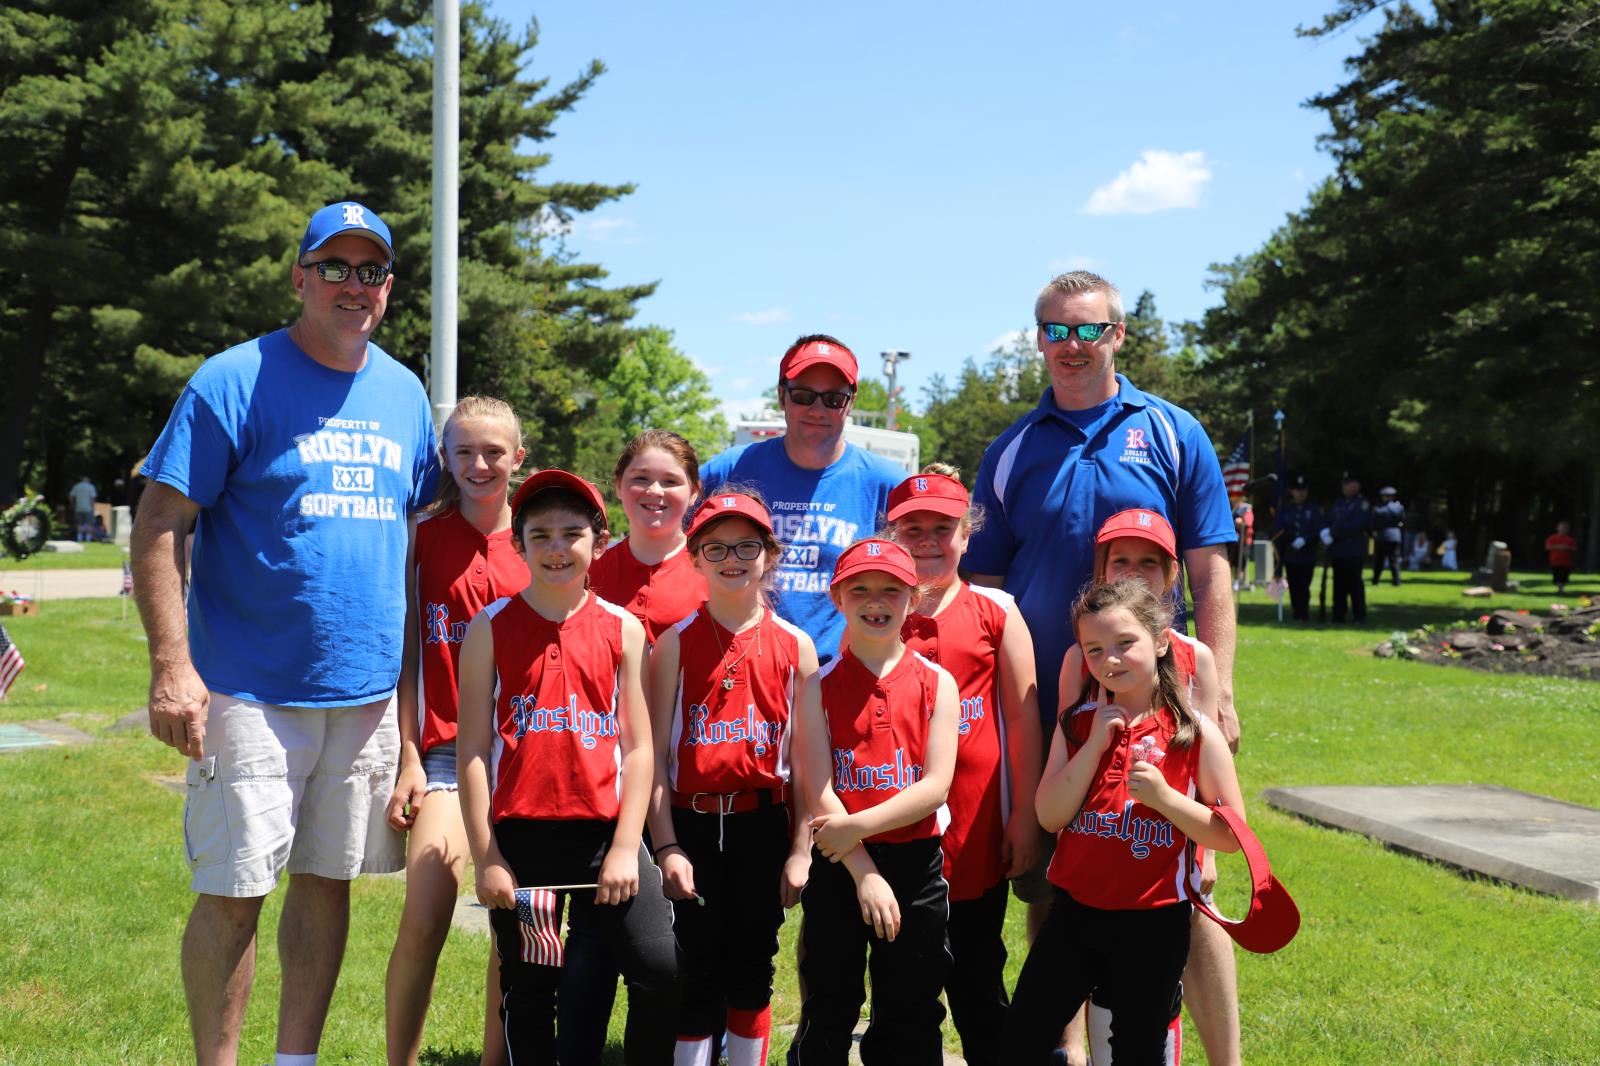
(877, 743)
(978, 635)
(462, 561)
(554, 758)
(1139, 543)
(649, 574)
(723, 684)
(1128, 786)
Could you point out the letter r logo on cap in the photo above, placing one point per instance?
(1144, 518)
(922, 484)
(355, 215)
(729, 501)
(874, 549)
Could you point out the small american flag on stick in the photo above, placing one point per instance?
(539, 922)
(11, 663)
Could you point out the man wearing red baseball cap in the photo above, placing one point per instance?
(823, 492)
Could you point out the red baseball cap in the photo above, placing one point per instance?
(557, 479)
(814, 353)
(729, 505)
(1273, 918)
(875, 554)
(938, 493)
(1146, 525)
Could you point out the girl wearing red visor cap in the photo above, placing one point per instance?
(1131, 776)
(723, 683)
(978, 635)
(877, 743)
(554, 757)
(1140, 543)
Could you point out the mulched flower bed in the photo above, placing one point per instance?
(1563, 643)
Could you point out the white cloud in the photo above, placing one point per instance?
(741, 384)
(609, 229)
(1007, 339)
(1159, 181)
(741, 408)
(771, 316)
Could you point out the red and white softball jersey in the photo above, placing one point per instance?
(1116, 853)
(964, 638)
(557, 746)
(733, 740)
(659, 596)
(459, 571)
(878, 735)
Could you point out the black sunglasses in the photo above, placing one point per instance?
(336, 271)
(1088, 332)
(806, 397)
(714, 551)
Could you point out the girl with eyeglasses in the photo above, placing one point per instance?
(649, 574)
(733, 853)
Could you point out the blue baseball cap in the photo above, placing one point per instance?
(347, 216)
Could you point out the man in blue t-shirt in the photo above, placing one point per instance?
(1093, 446)
(823, 493)
(297, 459)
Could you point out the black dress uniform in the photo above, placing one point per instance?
(1294, 536)
(1349, 520)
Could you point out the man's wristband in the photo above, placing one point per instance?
(668, 846)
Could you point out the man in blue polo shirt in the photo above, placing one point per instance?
(296, 458)
(1095, 445)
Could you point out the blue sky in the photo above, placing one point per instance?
(908, 175)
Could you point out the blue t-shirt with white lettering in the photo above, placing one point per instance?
(816, 515)
(305, 477)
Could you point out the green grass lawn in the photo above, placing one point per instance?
(1398, 960)
(93, 557)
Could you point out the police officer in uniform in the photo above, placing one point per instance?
(1388, 530)
(1294, 537)
(1349, 520)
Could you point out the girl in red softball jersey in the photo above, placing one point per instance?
(877, 748)
(650, 574)
(462, 561)
(1128, 786)
(978, 635)
(555, 761)
(1140, 543)
(732, 853)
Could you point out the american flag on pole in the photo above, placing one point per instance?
(1236, 471)
(539, 922)
(11, 663)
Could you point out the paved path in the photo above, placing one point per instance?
(45, 585)
(1539, 843)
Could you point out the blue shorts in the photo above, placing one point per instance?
(439, 763)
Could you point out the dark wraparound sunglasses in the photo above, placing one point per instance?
(1088, 332)
(806, 397)
(335, 271)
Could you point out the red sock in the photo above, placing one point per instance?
(748, 1033)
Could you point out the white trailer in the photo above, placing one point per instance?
(903, 449)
